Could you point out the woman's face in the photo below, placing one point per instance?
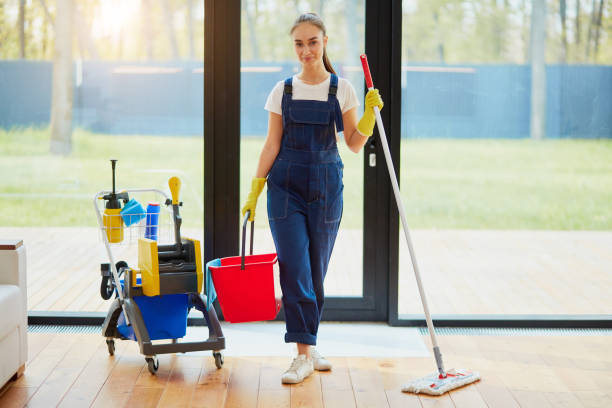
(309, 43)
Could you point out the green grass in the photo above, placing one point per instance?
(467, 184)
(508, 184)
(49, 190)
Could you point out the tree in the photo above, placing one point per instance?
(538, 69)
(563, 17)
(61, 93)
(598, 28)
(250, 20)
(168, 17)
(84, 37)
(21, 28)
(190, 29)
(577, 22)
(146, 24)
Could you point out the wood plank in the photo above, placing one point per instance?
(274, 398)
(531, 399)
(468, 397)
(59, 381)
(429, 401)
(16, 397)
(333, 398)
(271, 370)
(272, 393)
(46, 361)
(515, 271)
(565, 399)
(494, 392)
(210, 396)
(594, 399)
(530, 371)
(338, 378)
(307, 393)
(367, 382)
(243, 384)
(180, 388)
(117, 389)
(159, 379)
(50, 285)
(395, 373)
(84, 390)
(149, 387)
(398, 399)
(36, 343)
(212, 388)
(489, 390)
(144, 397)
(336, 386)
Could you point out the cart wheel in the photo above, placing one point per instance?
(110, 343)
(218, 359)
(119, 265)
(152, 364)
(106, 288)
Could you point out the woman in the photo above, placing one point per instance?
(304, 173)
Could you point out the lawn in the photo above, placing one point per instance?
(446, 183)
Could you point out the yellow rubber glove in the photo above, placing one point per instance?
(368, 120)
(257, 186)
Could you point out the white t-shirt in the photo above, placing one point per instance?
(346, 94)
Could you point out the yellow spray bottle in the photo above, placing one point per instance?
(113, 223)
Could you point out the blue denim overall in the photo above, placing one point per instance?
(305, 206)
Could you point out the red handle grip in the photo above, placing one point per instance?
(366, 71)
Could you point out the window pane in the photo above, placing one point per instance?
(505, 157)
(133, 84)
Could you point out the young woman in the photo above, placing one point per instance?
(304, 172)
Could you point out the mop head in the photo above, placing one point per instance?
(434, 385)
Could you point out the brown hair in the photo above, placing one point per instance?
(315, 20)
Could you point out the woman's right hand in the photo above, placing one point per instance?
(257, 185)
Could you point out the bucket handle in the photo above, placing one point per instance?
(244, 225)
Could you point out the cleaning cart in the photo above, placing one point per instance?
(152, 299)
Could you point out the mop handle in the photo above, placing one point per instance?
(400, 206)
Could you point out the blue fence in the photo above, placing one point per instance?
(467, 101)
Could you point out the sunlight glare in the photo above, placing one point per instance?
(113, 15)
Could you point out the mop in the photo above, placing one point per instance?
(442, 381)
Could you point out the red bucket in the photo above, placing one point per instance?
(246, 295)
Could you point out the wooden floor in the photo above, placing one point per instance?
(464, 272)
(74, 370)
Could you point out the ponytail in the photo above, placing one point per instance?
(327, 63)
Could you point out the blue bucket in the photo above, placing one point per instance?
(164, 316)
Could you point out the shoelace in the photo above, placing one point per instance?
(294, 365)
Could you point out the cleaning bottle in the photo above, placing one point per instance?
(113, 223)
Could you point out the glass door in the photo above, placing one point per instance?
(267, 57)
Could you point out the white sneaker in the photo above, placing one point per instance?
(300, 368)
(319, 362)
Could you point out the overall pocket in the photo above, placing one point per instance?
(333, 193)
(308, 127)
(278, 194)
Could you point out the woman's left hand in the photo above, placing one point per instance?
(368, 120)
(373, 99)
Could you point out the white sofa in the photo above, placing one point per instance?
(13, 310)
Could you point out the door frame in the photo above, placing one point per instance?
(222, 151)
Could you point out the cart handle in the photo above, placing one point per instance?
(244, 225)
